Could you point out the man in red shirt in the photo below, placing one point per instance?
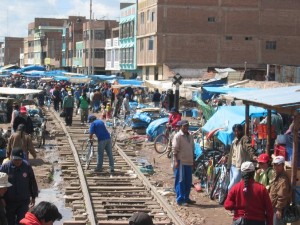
(249, 199)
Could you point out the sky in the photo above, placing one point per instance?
(15, 15)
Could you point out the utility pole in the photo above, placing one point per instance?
(90, 40)
(177, 82)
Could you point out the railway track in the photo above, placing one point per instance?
(106, 198)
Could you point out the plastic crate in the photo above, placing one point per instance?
(262, 131)
(281, 150)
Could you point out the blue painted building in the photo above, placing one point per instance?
(128, 41)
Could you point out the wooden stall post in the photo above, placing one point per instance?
(247, 120)
(295, 151)
(269, 132)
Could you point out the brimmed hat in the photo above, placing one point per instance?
(4, 180)
(278, 160)
(247, 167)
(17, 153)
(140, 218)
(23, 109)
(263, 158)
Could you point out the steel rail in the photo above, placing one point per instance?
(83, 184)
(171, 213)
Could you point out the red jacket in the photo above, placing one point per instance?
(30, 219)
(259, 206)
(174, 118)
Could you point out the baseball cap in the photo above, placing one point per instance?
(140, 218)
(247, 167)
(278, 160)
(91, 118)
(263, 158)
(17, 153)
(4, 180)
(23, 109)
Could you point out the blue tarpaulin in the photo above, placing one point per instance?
(30, 68)
(130, 82)
(103, 77)
(155, 128)
(226, 117)
(226, 90)
(59, 78)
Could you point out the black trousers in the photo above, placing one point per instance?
(56, 105)
(69, 116)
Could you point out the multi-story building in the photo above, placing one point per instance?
(43, 46)
(10, 50)
(72, 33)
(215, 33)
(128, 40)
(112, 52)
(100, 31)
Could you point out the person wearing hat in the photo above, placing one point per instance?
(23, 118)
(63, 94)
(44, 213)
(249, 199)
(183, 153)
(240, 151)
(68, 106)
(265, 173)
(24, 190)
(280, 189)
(83, 105)
(14, 113)
(21, 140)
(174, 117)
(140, 218)
(156, 98)
(56, 97)
(4, 184)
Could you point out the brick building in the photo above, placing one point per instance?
(196, 34)
(10, 50)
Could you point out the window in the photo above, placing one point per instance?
(152, 16)
(147, 73)
(148, 15)
(117, 55)
(141, 44)
(131, 55)
(108, 55)
(228, 38)
(99, 53)
(151, 43)
(131, 29)
(271, 45)
(248, 38)
(211, 19)
(142, 18)
(99, 34)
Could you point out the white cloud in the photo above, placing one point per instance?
(17, 14)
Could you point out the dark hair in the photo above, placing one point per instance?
(246, 177)
(239, 127)
(46, 211)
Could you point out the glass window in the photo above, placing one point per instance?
(211, 19)
(141, 44)
(108, 55)
(151, 43)
(228, 38)
(152, 16)
(99, 34)
(142, 18)
(99, 53)
(271, 45)
(117, 53)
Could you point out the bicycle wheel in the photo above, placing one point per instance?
(161, 143)
(113, 137)
(89, 155)
(216, 186)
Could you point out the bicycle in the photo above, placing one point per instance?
(87, 149)
(221, 181)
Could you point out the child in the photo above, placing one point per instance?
(103, 112)
(108, 111)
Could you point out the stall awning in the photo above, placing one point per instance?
(18, 91)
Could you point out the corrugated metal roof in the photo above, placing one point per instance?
(289, 96)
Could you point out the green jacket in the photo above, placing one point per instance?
(83, 102)
(68, 102)
(265, 177)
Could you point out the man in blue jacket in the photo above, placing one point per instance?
(22, 194)
(104, 142)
